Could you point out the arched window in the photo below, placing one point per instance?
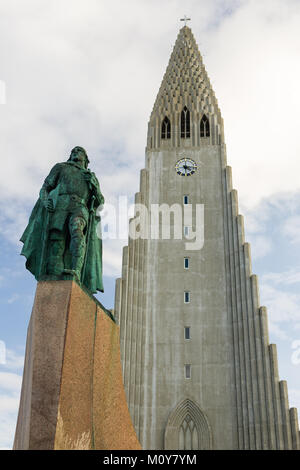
(185, 123)
(204, 127)
(166, 129)
(188, 428)
(188, 435)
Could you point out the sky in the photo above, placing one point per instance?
(87, 73)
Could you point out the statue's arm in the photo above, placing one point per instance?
(96, 190)
(99, 195)
(49, 184)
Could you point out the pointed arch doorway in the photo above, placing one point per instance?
(187, 428)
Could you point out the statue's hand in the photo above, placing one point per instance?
(50, 206)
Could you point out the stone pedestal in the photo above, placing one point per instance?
(72, 393)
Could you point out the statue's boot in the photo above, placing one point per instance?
(77, 263)
(72, 272)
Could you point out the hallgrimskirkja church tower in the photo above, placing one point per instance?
(198, 369)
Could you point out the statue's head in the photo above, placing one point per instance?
(79, 155)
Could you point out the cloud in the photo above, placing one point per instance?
(89, 75)
(13, 360)
(294, 398)
(13, 219)
(284, 278)
(10, 381)
(277, 210)
(291, 229)
(283, 304)
(10, 388)
(260, 246)
(280, 294)
(8, 418)
(13, 298)
(112, 258)
(278, 330)
(256, 79)
(9, 404)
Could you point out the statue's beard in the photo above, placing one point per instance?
(78, 162)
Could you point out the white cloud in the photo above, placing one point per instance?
(2, 352)
(253, 59)
(13, 298)
(282, 303)
(13, 219)
(284, 306)
(294, 399)
(280, 208)
(284, 278)
(10, 381)
(112, 258)
(260, 246)
(13, 360)
(291, 229)
(89, 75)
(8, 418)
(10, 387)
(9, 404)
(278, 293)
(278, 330)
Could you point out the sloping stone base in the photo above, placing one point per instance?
(72, 393)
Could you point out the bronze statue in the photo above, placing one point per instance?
(60, 241)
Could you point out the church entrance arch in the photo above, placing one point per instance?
(188, 428)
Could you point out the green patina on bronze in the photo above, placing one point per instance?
(60, 241)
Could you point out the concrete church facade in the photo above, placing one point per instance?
(198, 369)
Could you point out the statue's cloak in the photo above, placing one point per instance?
(35, 239)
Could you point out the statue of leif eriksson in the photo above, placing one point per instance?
(60, 241)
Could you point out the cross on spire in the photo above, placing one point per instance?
(185, 19)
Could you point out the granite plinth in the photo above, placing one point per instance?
(72, 393)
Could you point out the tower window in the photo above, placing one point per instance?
(185, 199)
(187, 368)
(187, 332)
(186, 263)
(166, 129)
(185, 124)
(204, 127)
(186, 231)
(187, 297)
(188, 435)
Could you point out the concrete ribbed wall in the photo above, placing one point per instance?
(252, 407)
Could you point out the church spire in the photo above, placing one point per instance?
(185, 85)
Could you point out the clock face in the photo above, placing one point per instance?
(186, 167)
